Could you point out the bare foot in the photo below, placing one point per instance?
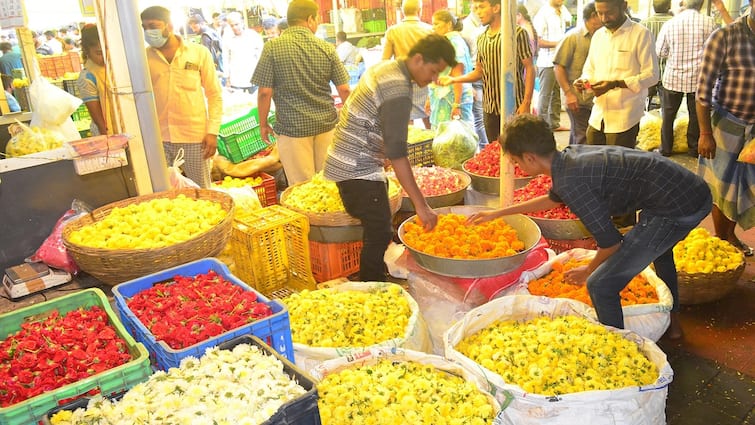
(674, 331)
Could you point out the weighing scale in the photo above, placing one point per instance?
(28, 278)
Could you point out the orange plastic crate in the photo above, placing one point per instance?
(334, 260)
(563, 245)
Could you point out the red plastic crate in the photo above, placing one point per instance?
(334, 260)
(267, 191)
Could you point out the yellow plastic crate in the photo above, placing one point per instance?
(270, 249)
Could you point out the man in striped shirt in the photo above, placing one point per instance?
(488, 67)
(681, 41)
(372, 128)
(726, 86)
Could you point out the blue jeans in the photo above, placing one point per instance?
(652, 239)
(367, 200)
(579, 124)
(479, 120)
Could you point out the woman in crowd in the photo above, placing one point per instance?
(93, 84)
(455, 100)
(523, 20)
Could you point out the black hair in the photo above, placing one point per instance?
(340, 36)
(300, 10)
(446, 15)
(433, 48)
(527, 133)
(157, 13)
(663, 6)
(588, 11)
(90, 37)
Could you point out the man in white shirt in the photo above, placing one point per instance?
(681, 40)
(550, 24)
(347, 52)
(620, 67)
(242, 48)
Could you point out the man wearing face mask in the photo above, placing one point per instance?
(187, 94)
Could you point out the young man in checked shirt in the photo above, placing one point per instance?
(295, 71)
(596, 182)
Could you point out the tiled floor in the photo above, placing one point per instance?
(714, 370)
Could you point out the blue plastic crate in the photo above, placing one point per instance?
(275, 330)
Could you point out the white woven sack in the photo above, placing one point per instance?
(627, 406)
(648, 320)
(374, 355)
(416, 337)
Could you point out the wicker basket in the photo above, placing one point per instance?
(699, 288)
(114, 266)
(333, 219)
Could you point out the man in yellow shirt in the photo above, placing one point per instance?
(187, 94)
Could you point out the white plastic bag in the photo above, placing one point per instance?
(648, 320)
(175, 176)
(633, 405)
(455, 142)
(416, 336)
(52, 108)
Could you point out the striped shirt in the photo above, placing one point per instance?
(727, 73)
(368, 129)
(597, 182)
(489, 57)
(681, 40)
(299, 68)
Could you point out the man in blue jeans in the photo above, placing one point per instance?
(596, 182)
(371, 131)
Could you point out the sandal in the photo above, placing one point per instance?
(742, 247)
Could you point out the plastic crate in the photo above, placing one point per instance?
(71, 87)
(334, 260)
(266, 191)
(300, 411)
(421, 153)
(375, 26)
(111, 381)
(81, 113)
(274, 330)
(239, 139)
(270, 250)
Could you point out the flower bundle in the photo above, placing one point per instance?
(320, 195)
(390, 392)
(539, 186)
(452, 237)
(242, 386)
(701, 252)
(331, 318)
(638, 291)
(192, 309)
(559, 355)
(435, 181)
(59, 350)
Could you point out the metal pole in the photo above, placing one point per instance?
(141, 89)
(508, 91)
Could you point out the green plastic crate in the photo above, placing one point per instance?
(111, 381)
(240, 139)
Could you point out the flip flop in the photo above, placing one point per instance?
(743, 247)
